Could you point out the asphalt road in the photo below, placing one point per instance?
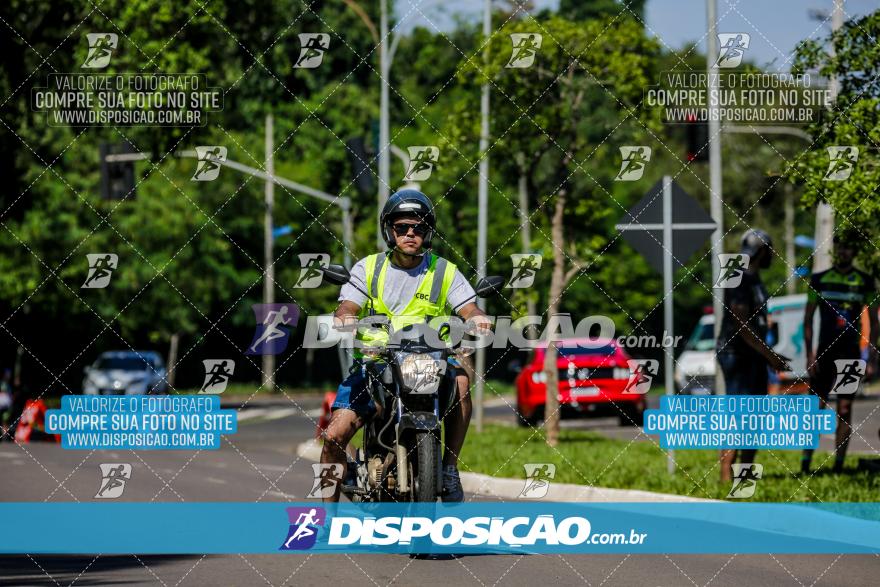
(259, 464)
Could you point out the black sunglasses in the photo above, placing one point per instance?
(403, 228)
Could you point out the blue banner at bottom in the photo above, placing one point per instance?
(467, 528)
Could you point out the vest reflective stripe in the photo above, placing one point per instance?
(374, 283)
(429, 298)
(439, 274)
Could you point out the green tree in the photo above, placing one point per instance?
(558, 123)
(853, 120)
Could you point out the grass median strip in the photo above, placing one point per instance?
(588, 458)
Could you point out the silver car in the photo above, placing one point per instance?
(126, 373)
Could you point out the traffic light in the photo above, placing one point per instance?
(360, 165)
(117, 173)
(697, 139)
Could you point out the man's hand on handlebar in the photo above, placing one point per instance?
(345, 318)
(476, 318)
(478, 324)
(346, 323)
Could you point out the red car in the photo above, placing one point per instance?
(591, 382)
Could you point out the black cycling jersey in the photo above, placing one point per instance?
(841, 298)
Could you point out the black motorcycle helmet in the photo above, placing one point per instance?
(407, 202)
(754, 241)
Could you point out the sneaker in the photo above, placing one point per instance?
(452, 491)
(870, 465)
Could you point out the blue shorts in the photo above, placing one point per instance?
(353, 394)
(744, 375)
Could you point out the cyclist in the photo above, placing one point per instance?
(841, 294)
(407, 282)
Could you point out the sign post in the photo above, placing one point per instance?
(668, 325)
(682, 227)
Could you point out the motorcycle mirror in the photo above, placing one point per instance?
(490, 286)
(336, 274)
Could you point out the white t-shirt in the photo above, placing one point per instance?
(401, 284)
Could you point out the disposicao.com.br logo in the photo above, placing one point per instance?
(347, 531)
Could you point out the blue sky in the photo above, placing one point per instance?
(775, 26)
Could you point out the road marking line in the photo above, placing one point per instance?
(250, 414)
(278, 414)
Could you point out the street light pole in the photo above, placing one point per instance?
(824, 212)
(483, 211)
(268, 252)
(716, 208)
(384, 133)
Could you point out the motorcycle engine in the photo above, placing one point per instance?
(375, 470)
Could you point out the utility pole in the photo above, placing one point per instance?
(483, 210)
(824, 212)
(716, 208)
(788, 194)
(268, 253)
(384, 133)
(668, 270)
(525, 228)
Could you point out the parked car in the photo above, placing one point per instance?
(695, 366)
(591, 382)
(126, 373)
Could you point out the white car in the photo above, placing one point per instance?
(126, 373)
(695, 367)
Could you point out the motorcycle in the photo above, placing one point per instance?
(401, 459)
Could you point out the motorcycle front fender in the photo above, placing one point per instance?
(427, 421)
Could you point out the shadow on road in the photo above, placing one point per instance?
(39, 569)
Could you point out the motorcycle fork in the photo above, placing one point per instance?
(402, 452)
(402, 456)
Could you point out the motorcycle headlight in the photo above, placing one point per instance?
(371, 353)
(421, 373)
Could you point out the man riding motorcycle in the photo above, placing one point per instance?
(406, 283)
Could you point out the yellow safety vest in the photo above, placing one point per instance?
(429, 299)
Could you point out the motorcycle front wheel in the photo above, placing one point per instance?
(427, 451)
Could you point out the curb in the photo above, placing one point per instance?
(503, 488)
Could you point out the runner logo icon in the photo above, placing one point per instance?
(849, 376)
(274, 323)
(311, 265)
(113, 478)
(634, 160)
(525, 267)
(421, 162)
(525, 47)
(304, 524)
(311, 53)
(843, 161)
(642, 373)
(210, 157)
(327, 477)
(217, 375)
(101, 267)
(732, 47)
(101, 47)
(538, 477)
(732, 267)
(745, 480)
